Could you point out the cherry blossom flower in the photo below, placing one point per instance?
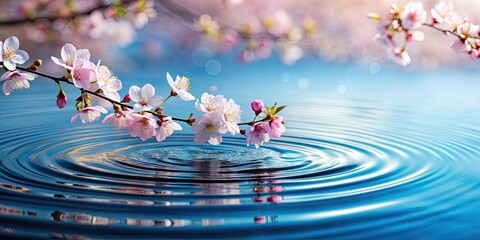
(257, 106)
(143, 11)
(108, 83)
(166, 128)
(454, 21)
(413, 15)
(208, 26)
(180, 86)
(94, 26)
(142, 126)
(279, 23)
(232, 114)
(467, 29)
(83, 73)
(210, 103)
(89, 114)
(120, 119)
(15, 81)
(70, 55)
(209, 127)
(10, 55)
(258, 134)
(277, 127)
(144, 97)
(442, 11)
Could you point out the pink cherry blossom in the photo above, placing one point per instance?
(280, 23)
(15, 81)
(69, 55)
(277, 127)
(94, 26)
(109, 84)
(144, 97)
(89, 114)
(209, 127)
(232, 114)
(454, 21)
(180, 86)
(166, 128)
(413, 15)
(83, 73)
(442, 11)
(210, 103)
(467, 29)
(10, 55)
(120, 119)
(257, 106)
(142, 126)
(258, 134)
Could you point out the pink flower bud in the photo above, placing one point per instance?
(257, 106)
(127, 98)
(61, 99)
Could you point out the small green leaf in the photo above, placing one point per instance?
(277, 110)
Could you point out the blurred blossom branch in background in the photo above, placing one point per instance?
(333, 31)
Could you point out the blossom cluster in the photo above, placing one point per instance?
(262, 35)
(94, 19)
(409, 18)
(145, 119)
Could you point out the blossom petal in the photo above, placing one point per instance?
(201, 137)
(101, 109)
(113, 95)
(186, 96)
(137, 107)
(20, 57)
(59, 62)
(83, 54)
(7, 88)
(12, 43)
(215, 139)
(69, 52)
(5, 75)
(148, 91)
(170, 80)
(9, 64)
(134, 93)
(155, 101)
(25, 84)
(108, 118)
(74, 117)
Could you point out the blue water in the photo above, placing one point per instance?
(384, 155)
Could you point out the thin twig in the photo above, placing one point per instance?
(52, 18)
(65, 80)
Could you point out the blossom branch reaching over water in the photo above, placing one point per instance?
(145, 119)
(407, 19)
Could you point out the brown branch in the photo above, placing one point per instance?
(65, 80)
(52, 18)
(447, 32)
